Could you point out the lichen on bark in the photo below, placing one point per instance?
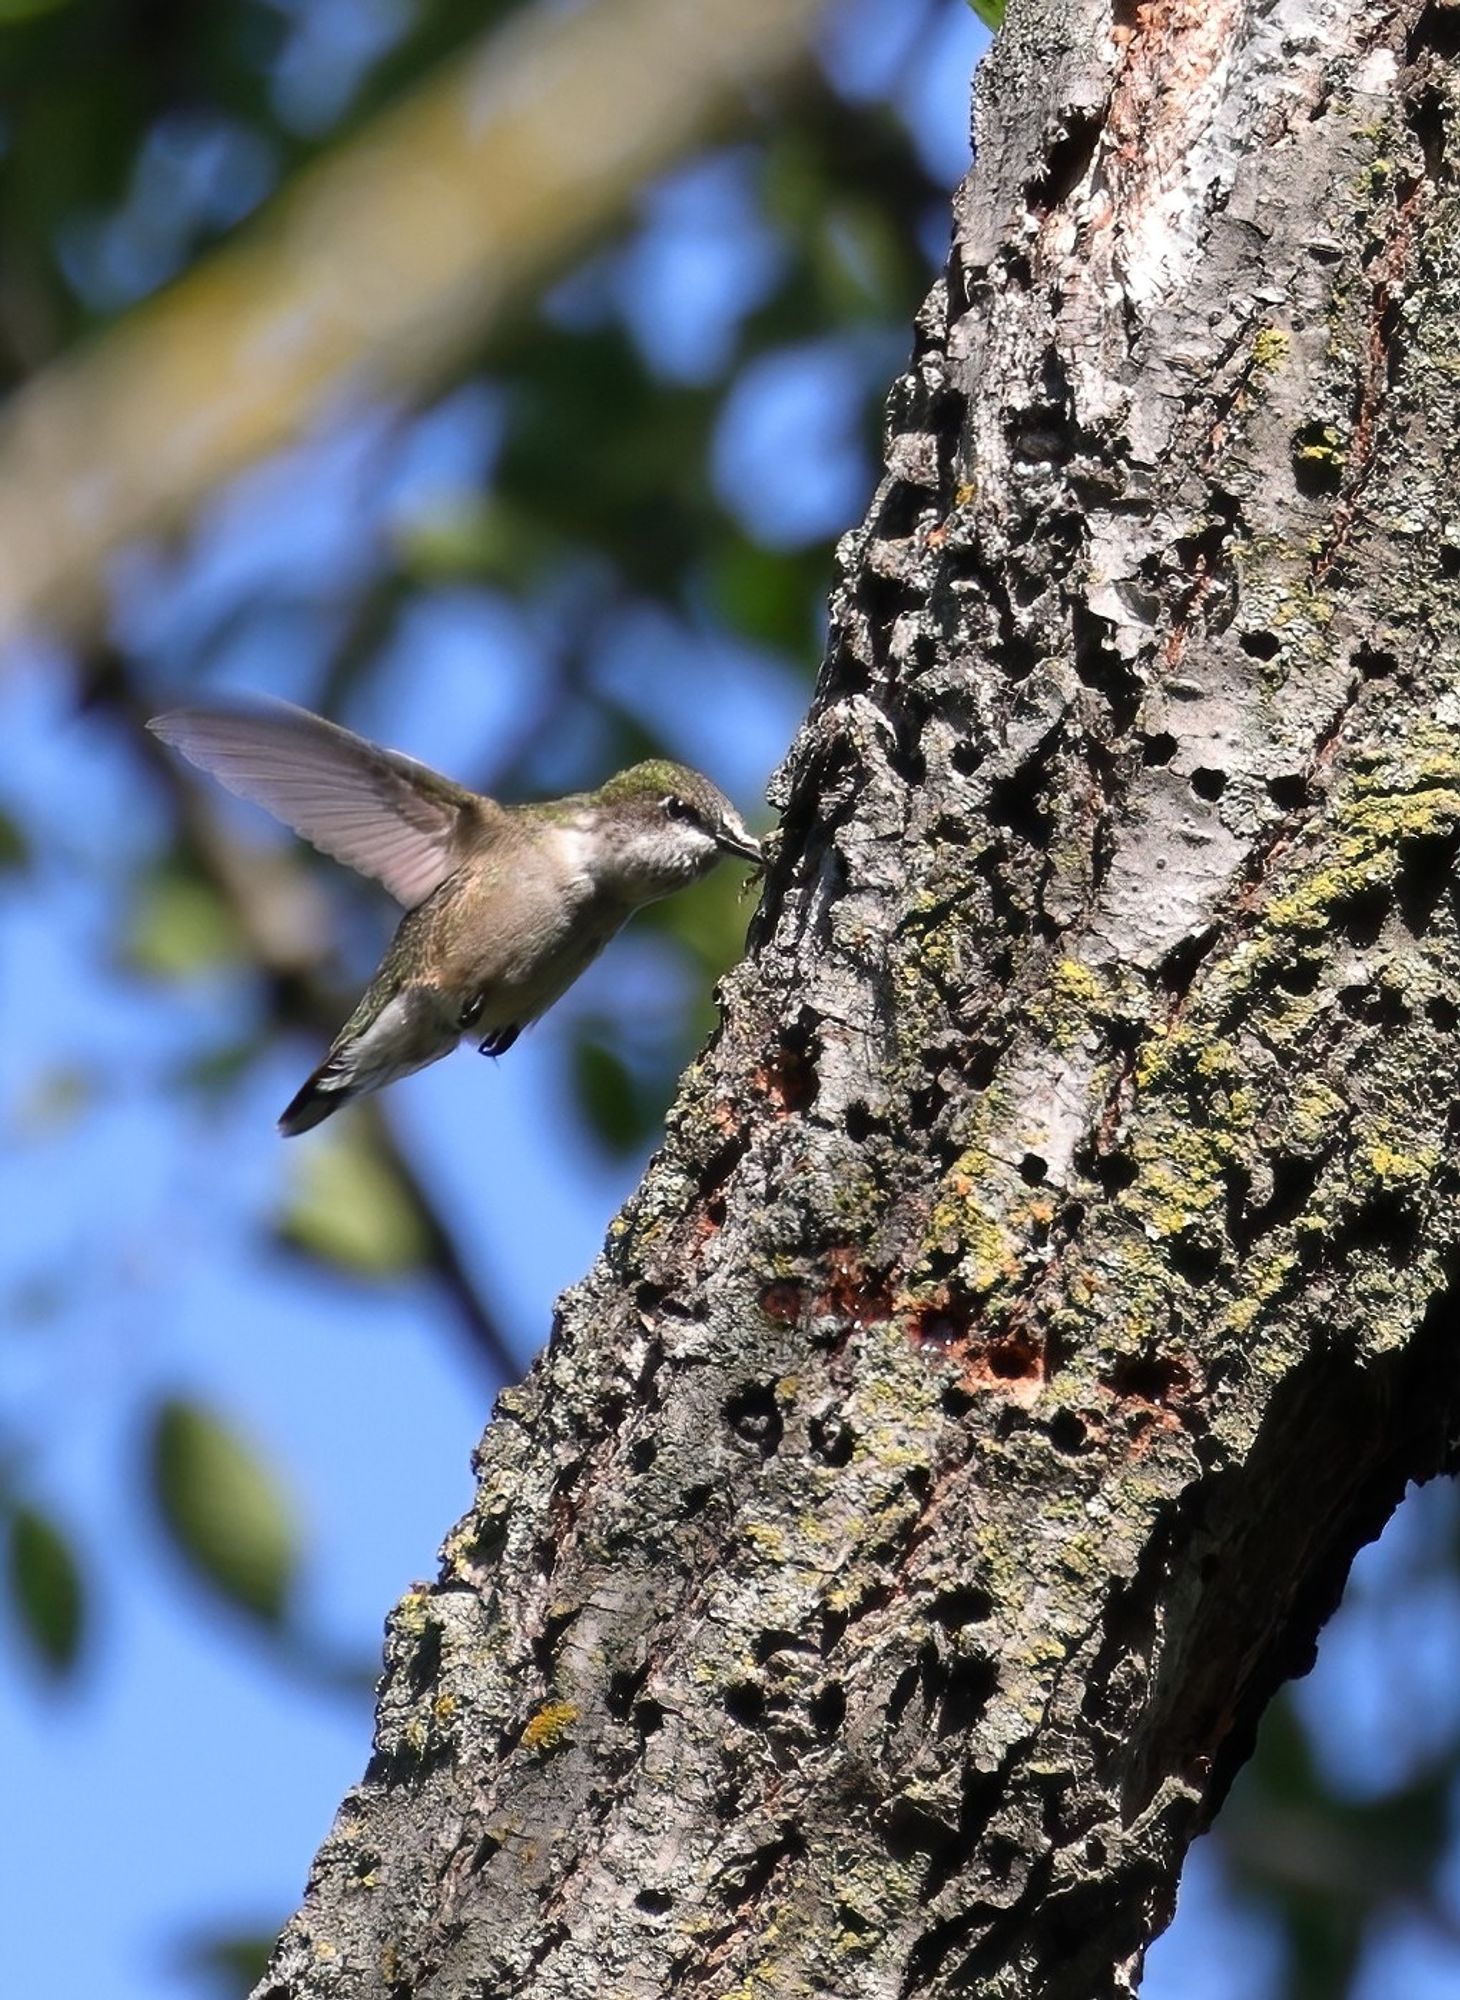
(1045, 1284)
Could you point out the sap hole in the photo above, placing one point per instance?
(1158, 749)
(1260, 645)
(828, 1708)
(1033, 1169)
(1208, 783)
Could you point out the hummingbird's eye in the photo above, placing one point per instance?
(679, 809)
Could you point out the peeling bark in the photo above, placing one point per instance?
(1045, 1286)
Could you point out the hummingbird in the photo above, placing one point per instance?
(505, 905)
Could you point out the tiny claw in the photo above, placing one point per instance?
(498, 1042)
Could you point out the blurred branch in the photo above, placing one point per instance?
(378, 269)
(278, 912)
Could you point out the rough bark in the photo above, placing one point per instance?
(1046, 1283)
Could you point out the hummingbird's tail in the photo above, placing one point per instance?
(322, 1094)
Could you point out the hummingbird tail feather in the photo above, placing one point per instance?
(313, 1102)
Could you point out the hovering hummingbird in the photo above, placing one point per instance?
(505, 905)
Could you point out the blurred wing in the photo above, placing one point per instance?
(379, 812)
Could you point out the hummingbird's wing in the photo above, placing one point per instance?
(376, 810)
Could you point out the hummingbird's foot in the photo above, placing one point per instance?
(498, 1042)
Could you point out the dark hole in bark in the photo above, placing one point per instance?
(1208, 783)
(1293, 1183)
(1178, 968)
(1300, 975)
(695, 1500)
(1260, 645)
(828, 1708)
(623, 1691)
(1115, 1172)
(1195, 1258)
(655, 1901)
(642, 1454)
(1388, 1224)
(1101, 667)
(941, 1325)
(932, 1952)
(782, 1302)
(1014, 1359)
(485, 1848)
(832, 1440)
(1158, 749)
(767, 1644)
(1437, 29)
(789, 1074)
(963, 1604)
(425, 1659)
(1150, 1378)
(1442, 1014)
(834, 1623)
(1032, 1170)
(1426, 875)
(966, 757)
(1065, 161)
(860, 1124)
(1289, 793)
(754, 1414)
(900, 510)
(903, 1691)
(744, 1701)
(648, 1716)
(1068, 1433)
(957, 1400)
(925, 1104)
(1449, 559)
(1374, 663)
(1017, 804)
(1362, 917)
(763, 1865)
(1040, 436)
(966, 1694)
(1318, 460)
(1001, 1854)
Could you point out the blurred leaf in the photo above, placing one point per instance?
(223, 1509)
(14, 846)
(609, 1095)
(763, 593)
(348, 1208)
(46, 1589)
(25, 10)
(486, 540)
(179, 926)
(213, 1072)
(55, 1100)
(229, 1964)
(990, 12)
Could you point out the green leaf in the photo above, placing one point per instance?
(14, 846)
(229, 1965)
(990, 12)
(223, 1509)
(608, 1095)
(348, 1208)
(25, 10)
(46, 1589)
(179, 926)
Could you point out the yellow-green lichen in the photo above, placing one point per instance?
(548, 1728)
(1270, 347)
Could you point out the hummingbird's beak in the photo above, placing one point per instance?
(735, 840)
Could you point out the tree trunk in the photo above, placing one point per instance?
(1045, 1285)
